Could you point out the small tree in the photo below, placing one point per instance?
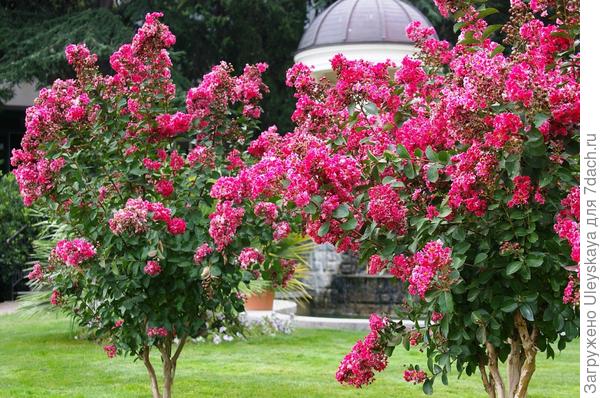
(153, 259)
(459, 176)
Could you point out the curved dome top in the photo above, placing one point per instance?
(362, 21)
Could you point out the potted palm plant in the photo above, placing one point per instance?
(291, 252)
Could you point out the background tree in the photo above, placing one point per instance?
(17, 233)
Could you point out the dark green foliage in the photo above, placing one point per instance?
(32, 45)
(16, 233)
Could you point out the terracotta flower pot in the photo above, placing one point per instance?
(260, 302)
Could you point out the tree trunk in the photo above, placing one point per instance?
(169, 366)
(520, 364)
(529, 350)
(151, 373)
(494, 371)
(515, 362)
(487, 381)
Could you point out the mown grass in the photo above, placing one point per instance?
(40, 358)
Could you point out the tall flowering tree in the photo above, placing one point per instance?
(456, 171)
(154, 257)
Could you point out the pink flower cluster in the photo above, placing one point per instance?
(566, 227)
(157, 332)
(376, 264)
(250, 256)
(224, 223)
(203, 251)
(266, 210)
(521, 192)
(386, 208)
(110, 350)
(281, 230)
(74, 252)
(152, 268)
(133, 218)
(55, 297)
(288, 269)
(36, 273)
(415, 376)
(219, 90)
(419, 270)
(171, 125)
(359, 366)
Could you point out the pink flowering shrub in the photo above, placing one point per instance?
(158, 251)
(447, 170)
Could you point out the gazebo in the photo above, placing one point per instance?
(373, 30)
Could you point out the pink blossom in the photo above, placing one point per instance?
(250, 256)
(74, 252)
(157, 332)
(267, 210)
(386, 208)
(177, 162)
(152, 268)
(176, 226)
(224, 222)
(36, 273)
(281, 230)
(152, 165)
(376, 264)
(164, 188)
(110, 350)
(359, 366)
(171, 125)
(521, 192)
(201, 253)
(55, 297)
(415, 376)
(436, 317)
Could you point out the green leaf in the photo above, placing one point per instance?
(539, 119)
(448, 303)
(370, 108)
(409, 170)
(458, 26)
(509, 306)
(215, 270)
(402, 152)
(499, 48)
(490, 30)
(534, 262)
(350, 224)
(480, 257)
(526, 311)
(487, 12)
(430, 153)
(342, 211)
(428, 387)
(513, 267)
(432, 174)
(324, 229)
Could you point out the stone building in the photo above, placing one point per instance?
(372, 30)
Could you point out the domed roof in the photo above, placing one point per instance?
(362, 21)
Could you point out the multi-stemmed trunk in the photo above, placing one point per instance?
(169, 365)
(521, 363)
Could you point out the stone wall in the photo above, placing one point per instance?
(340, 287)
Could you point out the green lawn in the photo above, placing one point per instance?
(40, 358)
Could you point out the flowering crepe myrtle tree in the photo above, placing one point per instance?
(153, 257)
(457, 172)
